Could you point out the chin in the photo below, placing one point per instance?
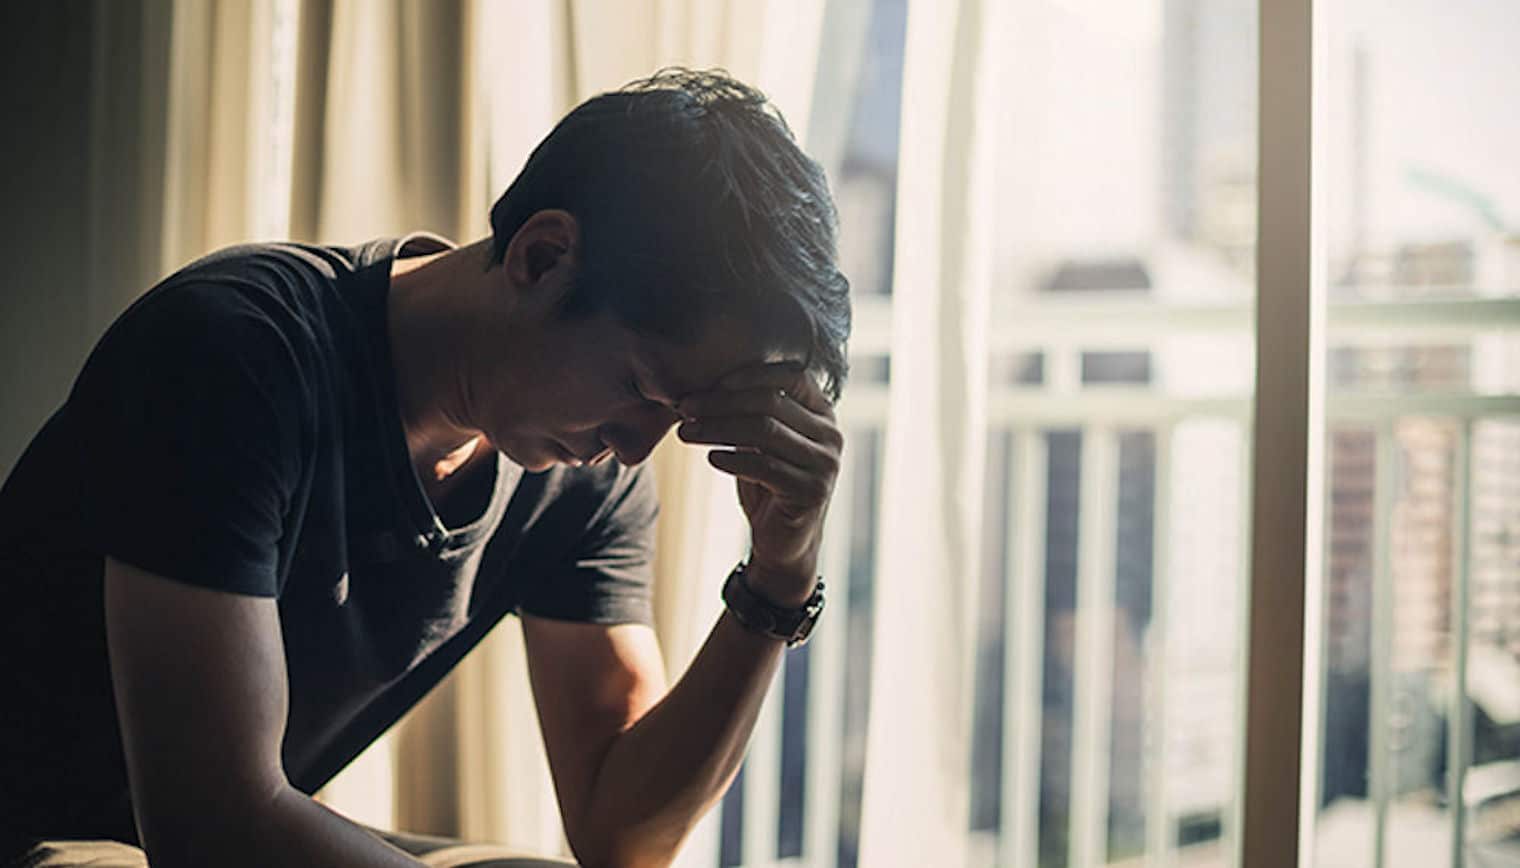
(537, 462)
(536, 453)
(533, 459)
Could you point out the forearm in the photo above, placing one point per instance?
(777, 436)
(661, 775)
(287, 829)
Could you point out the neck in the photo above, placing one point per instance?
(427, 314)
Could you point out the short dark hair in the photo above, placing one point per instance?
(693, 199)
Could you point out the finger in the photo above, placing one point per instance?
(765, 434)
(786, 481)
(789, 376)
(763, 402)
(761, 374)
(809, 394)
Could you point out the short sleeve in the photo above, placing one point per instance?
(610, 575)
(192, 443)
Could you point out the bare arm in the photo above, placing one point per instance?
(199, 678)
(635, 772)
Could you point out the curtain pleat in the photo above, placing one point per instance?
(915, 789)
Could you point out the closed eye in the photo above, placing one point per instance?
(635, 391)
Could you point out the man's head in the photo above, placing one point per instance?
(682, 209)
(693, 200)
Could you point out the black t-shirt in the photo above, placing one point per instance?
(237, 429)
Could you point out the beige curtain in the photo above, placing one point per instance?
(336, 121)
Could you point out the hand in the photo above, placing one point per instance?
(785, 460)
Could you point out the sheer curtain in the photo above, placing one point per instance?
(915, 787)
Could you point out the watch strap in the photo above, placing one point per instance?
(792, 626)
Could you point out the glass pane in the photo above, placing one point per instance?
(1423, 193)
(1420, 731)
(1121, 377)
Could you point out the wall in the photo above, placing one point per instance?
(82, 101)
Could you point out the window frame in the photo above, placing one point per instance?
(1287, 447)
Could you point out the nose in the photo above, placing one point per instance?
(633, 438)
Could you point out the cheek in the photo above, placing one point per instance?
(580, 406)
(574, 380)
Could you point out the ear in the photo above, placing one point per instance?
(546, 245)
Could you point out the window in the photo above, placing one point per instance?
(1110, 660)
(1112, 687)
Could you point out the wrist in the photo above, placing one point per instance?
(786, 587)
(776, 616)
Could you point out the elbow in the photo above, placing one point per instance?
(170, 842)
(624, 856)
(191, 833)
(637, 846)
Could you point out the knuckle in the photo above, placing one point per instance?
(834, 438)
(818, 489)
(831, 464)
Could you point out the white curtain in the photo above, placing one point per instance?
(915, 789)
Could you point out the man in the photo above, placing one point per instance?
(294, 484)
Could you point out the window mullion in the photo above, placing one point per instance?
(1288, 447)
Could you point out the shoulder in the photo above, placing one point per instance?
(271, 262)
(279, 283)
(191, 337)
(252, 311)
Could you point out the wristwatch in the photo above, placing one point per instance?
(792, 626)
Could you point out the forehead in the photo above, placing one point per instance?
(672, 371)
